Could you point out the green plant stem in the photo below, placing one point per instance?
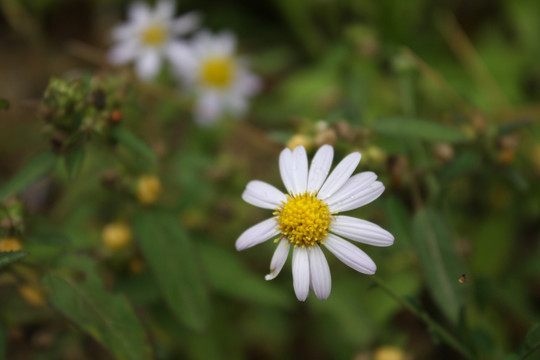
(448, 338)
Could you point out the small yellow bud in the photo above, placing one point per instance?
(298, 140)
(148, 189)
(10, 244)
(375, 155)
(389, 353)
(32, 295)
(116, 235)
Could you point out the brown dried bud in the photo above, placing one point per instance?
(116, 116)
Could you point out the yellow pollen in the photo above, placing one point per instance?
(154, 35)
(217, 72)
(304, 220)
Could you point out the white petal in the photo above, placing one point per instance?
(208, 108)
(340, 175)
(165, 9)
(224, 43)
(237, 104)
(123, 53)
(362, 231)
(286, 165)
(248, 84)
(181, 57)
(124, 32)
(261, 194)
(300, 169)
(321, 281)
(300, 272)
(139, 12)
(257, 234)
(320, 166)
(350, 255)
(362, 198)
(352, 187)
(186, 23)
(148, 65)
(278, 260)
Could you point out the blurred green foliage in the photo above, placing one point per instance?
(441, 98)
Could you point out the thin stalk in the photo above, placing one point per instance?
(445, 336)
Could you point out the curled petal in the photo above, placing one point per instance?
(278, 259)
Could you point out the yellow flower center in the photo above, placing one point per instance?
(217, 72)
(154, 35)
(304, 220)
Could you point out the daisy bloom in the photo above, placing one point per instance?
(306, 218)
(149, 36)
(221, 81)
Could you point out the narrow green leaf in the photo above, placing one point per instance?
(106, 317)
(38, 167)
(173, 261)
(73, 160)
(438, 258)
(412, 128)
(133, 143)
(7, 258)
(223, 269)
(4, 104)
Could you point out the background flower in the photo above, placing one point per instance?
(151, 35)
(220, 80)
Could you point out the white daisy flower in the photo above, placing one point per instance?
(221, 81)
(306, 218)
(150, 35)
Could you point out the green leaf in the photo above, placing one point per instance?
(3, 343)
(106, 317)
(463, 164)
(7, 258)
(173, 261)
(35, 169)
(418, 129)
(438, 258)
(133, 143)
(228, 275)
(4, 104)
(73, 160)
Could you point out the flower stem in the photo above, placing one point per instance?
(445, 336)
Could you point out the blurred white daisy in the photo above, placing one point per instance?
(306, 218)
(151, 35)
(221, 81)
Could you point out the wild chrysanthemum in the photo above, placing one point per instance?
(307, 218)
(151, 35)
(220, 80)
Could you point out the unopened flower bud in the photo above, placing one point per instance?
(443, 152)
(148, 189)
(389, 353)
(298, 140)
(116, 235)
(327, 136)
(116, 116)
(32, 295)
